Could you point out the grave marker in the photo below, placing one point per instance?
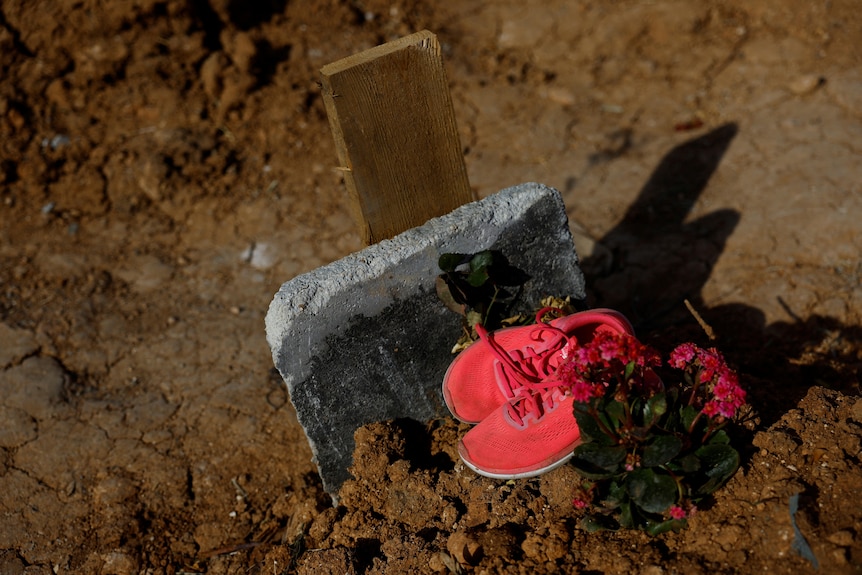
(365, 338)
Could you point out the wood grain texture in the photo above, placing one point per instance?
(395, 133)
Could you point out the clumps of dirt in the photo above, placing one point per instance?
(412, 509)
(812, 453)
(412, 506)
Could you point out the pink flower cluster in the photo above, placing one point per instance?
(727, 394)
(677, 512)
(683, 355)
(680, 512)
(588, 369)
(608, 350)
(582, 390)
(711, 369)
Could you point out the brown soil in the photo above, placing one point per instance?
(166, 165)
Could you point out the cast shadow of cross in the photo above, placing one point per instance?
(660, 258)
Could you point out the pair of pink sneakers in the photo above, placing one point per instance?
(506, 384)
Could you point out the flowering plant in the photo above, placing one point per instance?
(482, 288)
(651, 450)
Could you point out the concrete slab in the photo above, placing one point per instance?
(366, 339)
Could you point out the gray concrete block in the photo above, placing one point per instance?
(366, 339)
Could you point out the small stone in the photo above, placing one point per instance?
(436, 563)
(805, 84)
(149, 173)
(561, 96)
(464, 548)
(843, 538)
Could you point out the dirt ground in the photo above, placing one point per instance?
(167, 164)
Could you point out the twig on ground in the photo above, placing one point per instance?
(707, 329)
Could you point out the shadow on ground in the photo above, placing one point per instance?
(660, 259)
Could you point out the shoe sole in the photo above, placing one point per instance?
(526, 474)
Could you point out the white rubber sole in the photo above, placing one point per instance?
(518, 474)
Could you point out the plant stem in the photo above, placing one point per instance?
(490, 305)
(679, 486)
(695, 386)
(629, 421)
(710, 429)
(595, 415)
(694, 422)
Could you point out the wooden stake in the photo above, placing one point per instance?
(394, 127)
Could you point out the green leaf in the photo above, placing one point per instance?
(661, 450)
(448, 262)
(478, 277)
(637, 406)
(616, 413)
(688, 414)
(656, 406)
(719, 463)
(672, 418)
(720, 437)
(616, 495)
(482, 260)
(665, 526)
(652, 491)
(689, 464)
(595, 522)
(630, 369)
(628, 516)
(672, 395)
(595, 461)
(590, 430)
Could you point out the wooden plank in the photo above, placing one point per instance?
(394, 128)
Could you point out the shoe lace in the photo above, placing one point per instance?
(533, 405)
(530, 375)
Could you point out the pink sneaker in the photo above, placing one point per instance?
(535, 433)
(491, 372)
